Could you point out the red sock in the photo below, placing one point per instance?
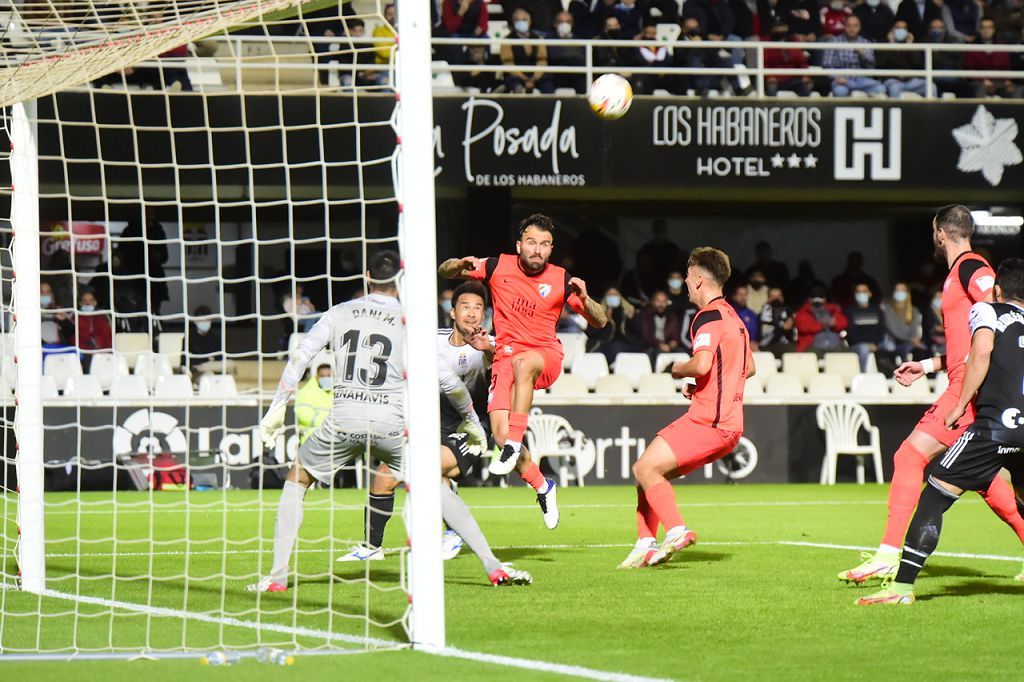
(646, 520)
(662, 501)
(534, 477)
(517, 422)
(1001, 498)
(904, 492)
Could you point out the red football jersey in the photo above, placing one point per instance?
(526, 307)
(969, 281)
(718, 397)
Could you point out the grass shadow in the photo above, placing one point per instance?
(975, 587)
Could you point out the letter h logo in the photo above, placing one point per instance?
(857, 141)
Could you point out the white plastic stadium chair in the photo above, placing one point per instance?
(632, 366)
(784, 386)
(130, 345)
(173, 386)
(106, 367)
(130, 387)
(918, 389)
(217, 386)
(766, 366)
(590, 366)
(552, 436)
(873, 385)
(826, 386)
(47, 387)
(664, 361)
(657, 385)
(752, 387)
(62, 367)
(803, 365)
(152, 366)
(170, 345)
(614, 385)
(85, 387)
(573, 345)
(941, 383)
(846, 365)
(842, 421)
(569, 385)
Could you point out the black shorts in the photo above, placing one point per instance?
(458, 443)
(974, 460)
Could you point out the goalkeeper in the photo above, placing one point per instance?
(463, 361)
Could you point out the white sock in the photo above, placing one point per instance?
(888, 549)
(516, 446)
(286, 528)
(676, 530)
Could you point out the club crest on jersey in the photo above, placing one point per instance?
(544, 289)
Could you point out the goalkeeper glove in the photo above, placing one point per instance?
(471, 426)
(272, 424)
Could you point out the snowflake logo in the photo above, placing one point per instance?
(987, 145)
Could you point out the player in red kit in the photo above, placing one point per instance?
(712, 426)
(528, 294)
(970, 281)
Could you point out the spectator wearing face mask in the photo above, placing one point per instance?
(618, 57)
(945, 60)
(819, 323)
(778, 326)
(738, 301)
(204, 341)
(58, 328)
(532, 58)
(785, 58)
(902, 60)
(903, 324)
(660, 326)
(693, 58)
(990, 61)
(866, 330)
(617, 336)
(876, 19)
(94, 331)
(918, 14)
(834, 16)
(560, 54)
(652, 56)
(757, 290)
(444, 309)
(313, 401)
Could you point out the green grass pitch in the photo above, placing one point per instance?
(738, 605)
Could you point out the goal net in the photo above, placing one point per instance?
(190, 185)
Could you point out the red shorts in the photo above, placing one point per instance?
(933, 421)
(499, 396)
(695, 445)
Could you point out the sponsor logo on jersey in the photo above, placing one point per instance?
(1011, 418)
(463, 360)
(1008, 450)
(985, 283)
(701, 341)
(358, 395)
(545, 289)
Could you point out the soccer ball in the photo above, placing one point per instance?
(610, 96)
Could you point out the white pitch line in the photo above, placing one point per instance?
(739, 543)
(508, 661)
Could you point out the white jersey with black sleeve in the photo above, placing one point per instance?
(462, 371)
(367, 416)
(1000, 402)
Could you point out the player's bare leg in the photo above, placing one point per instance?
(656, 502)
(286, 529)
(527, 367)
(547, 495)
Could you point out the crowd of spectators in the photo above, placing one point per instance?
(649, 310)
(854, 26)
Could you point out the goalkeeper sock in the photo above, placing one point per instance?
(534, 477)
(286, 528)
(378, 512)
(458, 517)
(517, 422)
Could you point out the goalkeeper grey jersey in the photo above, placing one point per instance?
(462, 371)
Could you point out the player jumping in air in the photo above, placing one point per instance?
(712, 426)
(970, 281)
(995, 372)
(367, 417)
(528, 294)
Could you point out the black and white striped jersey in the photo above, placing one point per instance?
(1000, 401)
